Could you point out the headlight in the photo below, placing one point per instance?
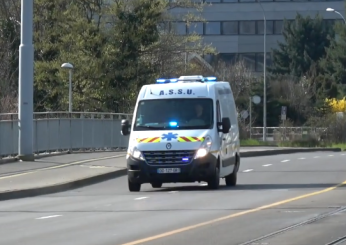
(205, 148)
(135, 153)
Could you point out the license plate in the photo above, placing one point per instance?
(168, 170)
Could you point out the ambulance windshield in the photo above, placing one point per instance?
(175, 114)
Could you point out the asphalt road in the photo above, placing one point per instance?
(273, 193)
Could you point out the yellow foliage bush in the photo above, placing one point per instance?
(337, 105)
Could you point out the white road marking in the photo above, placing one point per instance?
(285, 160)
(247, 170)
(316, 157)
(203, 184)
(141, 198)
(172, 192)
(330, 155)
(97, 167)
(302, 158)
(343, 154)
(49, 217)
(267, 165)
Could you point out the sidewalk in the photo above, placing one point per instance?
(66, 172)
(56, 173)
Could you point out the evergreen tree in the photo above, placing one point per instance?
(9, 56)
(333, 82)
(305, 41)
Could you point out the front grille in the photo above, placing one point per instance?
(168, 157)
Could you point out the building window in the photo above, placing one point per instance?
(253, 61)
(269, 25)
(251, 27)
(179, 28)
(278, 27)
(247, 27)
(230, 28)
(213, 28)
(259, 61)
(249, 60)
(228, 58)
(195, 27)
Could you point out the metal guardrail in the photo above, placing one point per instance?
(287, 133)
(61, 131)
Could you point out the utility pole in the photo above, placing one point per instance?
(26, 83)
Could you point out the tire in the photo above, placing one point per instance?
(156, 185)
(134, 187)
(214, 182)
(231, 180)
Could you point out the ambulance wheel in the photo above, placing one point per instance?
(231, 180)
(134, 187)
(214, 182)
(156, 185)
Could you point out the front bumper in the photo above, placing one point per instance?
(198, 170)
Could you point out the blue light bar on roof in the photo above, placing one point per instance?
(163, 80)
(210, 79)
(186, 78)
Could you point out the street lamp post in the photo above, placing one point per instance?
(333, 10)
(70, 68)
(264, 74)
(26, 83)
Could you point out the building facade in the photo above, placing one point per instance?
(235, 27)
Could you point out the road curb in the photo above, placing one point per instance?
(285, 151)
(70, 185)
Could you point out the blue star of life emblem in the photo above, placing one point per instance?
(169, 136)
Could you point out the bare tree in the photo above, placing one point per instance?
(239, 75)
(298, 91)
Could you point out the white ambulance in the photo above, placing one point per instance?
(183, 130)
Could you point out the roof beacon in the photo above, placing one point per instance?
(184, 79)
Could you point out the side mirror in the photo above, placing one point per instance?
(125, 127)
(226, 125)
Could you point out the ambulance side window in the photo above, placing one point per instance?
(218, 112)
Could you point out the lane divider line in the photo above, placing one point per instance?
(247, 170)
(267, 165)
(210, 222)
(330, 155)
(61, 166)
(316, 157)
(49, 217)
(285, 160)
(141, 198)
(302, 158)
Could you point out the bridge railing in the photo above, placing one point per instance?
(59, 131)
(277, 134)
